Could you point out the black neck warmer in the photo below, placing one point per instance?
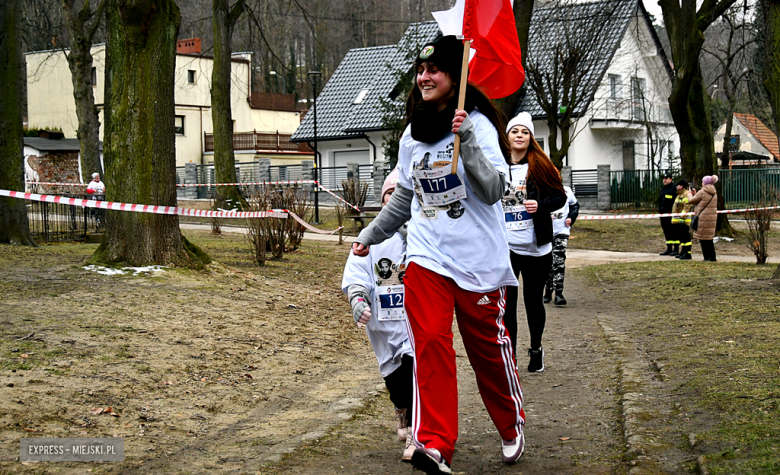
(430, 125)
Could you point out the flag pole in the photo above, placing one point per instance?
(464, 76)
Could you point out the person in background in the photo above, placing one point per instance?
(96, 188)
(665, 204)
(681, 223)
(706, 201)
(376, 293)
(563, 219)
(535, 190)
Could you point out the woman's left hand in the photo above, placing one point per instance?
(531, 206)
(457, 121)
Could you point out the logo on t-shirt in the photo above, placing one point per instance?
(388, 272)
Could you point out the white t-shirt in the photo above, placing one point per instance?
(98, 187)
(518, 222)
(559, 217)
(463, 240)
(381, 272)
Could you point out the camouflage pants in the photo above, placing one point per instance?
(558, 269)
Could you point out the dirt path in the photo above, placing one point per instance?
(574, 399)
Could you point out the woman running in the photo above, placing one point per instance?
(456, 261)
(535, 191)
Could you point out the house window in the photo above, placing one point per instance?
(615, 86)
(638, 98)
(93, 76)
(628, 155)
(361, 95)
(178, 124)
(541, 143)
(191, 76)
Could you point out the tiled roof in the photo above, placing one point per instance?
(363, 68)
(550, 26)
(761, 132)
(49, 145)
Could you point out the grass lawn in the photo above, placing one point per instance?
(715, 330)
(645, 235)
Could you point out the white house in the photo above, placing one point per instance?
(265, 131)
(624, 122)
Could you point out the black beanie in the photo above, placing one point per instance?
(682, 183)
(446, 52)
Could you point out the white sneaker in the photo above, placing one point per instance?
(409, 448)
(403, 430)
(430, 461)
(511, 450)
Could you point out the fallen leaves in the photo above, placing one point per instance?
(99, 410)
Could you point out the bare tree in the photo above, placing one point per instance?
(224, 21)
(688, 101)
(14, 226)
(82, 23)
(566, 47)
(139, 134)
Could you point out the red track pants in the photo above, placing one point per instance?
(430, 300)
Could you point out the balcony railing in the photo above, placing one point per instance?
(627, 110)
(261, 142)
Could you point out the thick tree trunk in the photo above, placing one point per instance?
(14, 226)
(523, 10)
(223, 20)
(80, 62)
(772, 65)
(772, 60)
(139, 143)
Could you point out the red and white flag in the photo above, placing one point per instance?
(494, 62)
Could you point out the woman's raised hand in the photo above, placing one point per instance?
(460, 116)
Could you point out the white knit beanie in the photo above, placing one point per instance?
(95, 175)
(524, 119)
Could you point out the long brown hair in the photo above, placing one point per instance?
(541, 170)
(475, 98)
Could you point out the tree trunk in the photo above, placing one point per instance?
(14, 226)
(523, 10)
(223, 20)
(139, 142)
(80, 62)
(772, 65)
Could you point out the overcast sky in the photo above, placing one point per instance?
(652, 8)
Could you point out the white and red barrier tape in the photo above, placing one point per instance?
(305, 182)
(55, 184)
(162, 209)
(665, 215)
(254, 184)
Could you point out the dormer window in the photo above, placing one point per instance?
(361, 95)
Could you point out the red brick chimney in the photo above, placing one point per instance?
(188, 46)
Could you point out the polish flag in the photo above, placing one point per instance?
(494, 62)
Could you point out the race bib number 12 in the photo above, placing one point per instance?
(439, 187)
(391, 303)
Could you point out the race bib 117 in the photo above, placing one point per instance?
(439, 187)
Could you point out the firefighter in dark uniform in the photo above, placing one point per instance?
(665, 203)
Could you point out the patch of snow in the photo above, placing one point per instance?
(102, 270)
(719, 238)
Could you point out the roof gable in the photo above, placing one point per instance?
(761, 132)
(363, 68)
(552, 25)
